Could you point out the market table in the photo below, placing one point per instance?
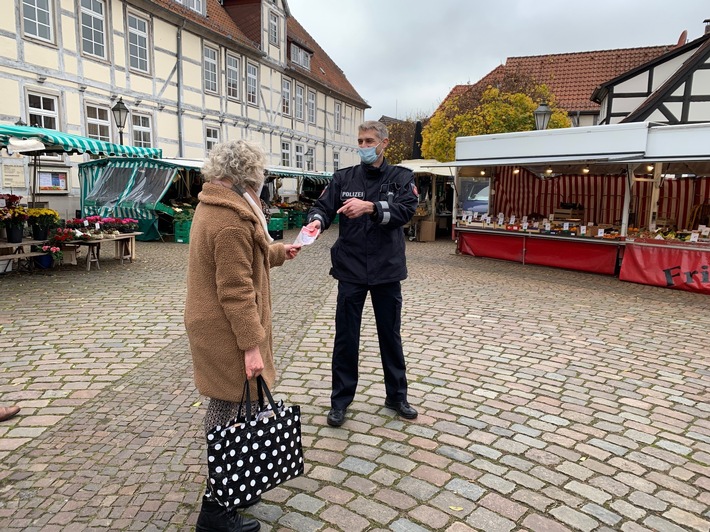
(587, 254)
(125, 247)
(17, 252)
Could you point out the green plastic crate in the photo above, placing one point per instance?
(296, 219)
(182, 232)
(283, 216)
(276, 224)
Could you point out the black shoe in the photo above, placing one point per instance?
(215, 518)
(336, 417)
(402, 408)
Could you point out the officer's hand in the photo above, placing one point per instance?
(315, 224)
(354, 208)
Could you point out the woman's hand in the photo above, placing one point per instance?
(292, 250)
(253, 363)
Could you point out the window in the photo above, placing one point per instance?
(273, 29)
(285, 154)
(43, 111)
(211, 138)
(300, 56)
(252, 84)
(37, 19)
(142, 132)
(337, 119)
(310, 160)
(286, 97)
(137, 43)
(98, 125)
(233, 76)
(92, 28)
(311, 107)
(299, 156)
(299, 102)
(195, 5)
(336, 161)
(209, 69)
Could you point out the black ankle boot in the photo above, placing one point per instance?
(215, 518)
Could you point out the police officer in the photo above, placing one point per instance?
(374, 200)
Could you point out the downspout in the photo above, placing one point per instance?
(179, 89)
(325, 135)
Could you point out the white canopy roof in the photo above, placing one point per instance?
(427, 166)
(685, 147)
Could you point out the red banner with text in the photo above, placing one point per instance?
(669, 267)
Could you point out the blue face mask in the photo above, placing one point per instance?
(369, 155)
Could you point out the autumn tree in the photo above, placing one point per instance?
(496, 111)
(401, 135)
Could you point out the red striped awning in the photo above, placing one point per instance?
(602, 196)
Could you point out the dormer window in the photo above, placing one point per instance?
(195, 5)
(300, 56)
(274, 24)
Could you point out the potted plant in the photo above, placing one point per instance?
(182, 221)
(54, 257)
(13, 216)
(41, 221)
(127, 225)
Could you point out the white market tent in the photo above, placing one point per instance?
(428, 167)
(611, 149)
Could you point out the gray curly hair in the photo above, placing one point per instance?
(238, 161)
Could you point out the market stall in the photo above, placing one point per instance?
(435, 198)
(161, 193)
(36, 142)
(578, 198)
(148, 190)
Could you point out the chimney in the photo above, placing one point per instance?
(707, 25)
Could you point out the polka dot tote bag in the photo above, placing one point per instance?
(256, 452)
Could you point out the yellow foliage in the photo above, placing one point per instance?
(496, 112)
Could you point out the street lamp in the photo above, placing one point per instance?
(120, 115)
(542, 116)
(20, 122)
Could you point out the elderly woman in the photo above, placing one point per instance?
(228, 307)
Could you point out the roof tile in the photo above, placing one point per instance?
(246, 29)
(571, 77)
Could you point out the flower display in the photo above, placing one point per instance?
(60, 236)
(12, 214)
(55, 252)
(16, 215)
(42, 217)
(96, 226)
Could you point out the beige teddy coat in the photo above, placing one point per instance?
(228, 307)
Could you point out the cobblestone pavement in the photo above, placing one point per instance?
(549, 400)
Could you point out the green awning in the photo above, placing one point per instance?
(57, 142)
(317, 179)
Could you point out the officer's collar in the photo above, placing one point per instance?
(375, 169)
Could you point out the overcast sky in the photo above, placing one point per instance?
(404, 56)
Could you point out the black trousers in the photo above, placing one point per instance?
(387, 305)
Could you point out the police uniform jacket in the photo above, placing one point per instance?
(369, 249)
